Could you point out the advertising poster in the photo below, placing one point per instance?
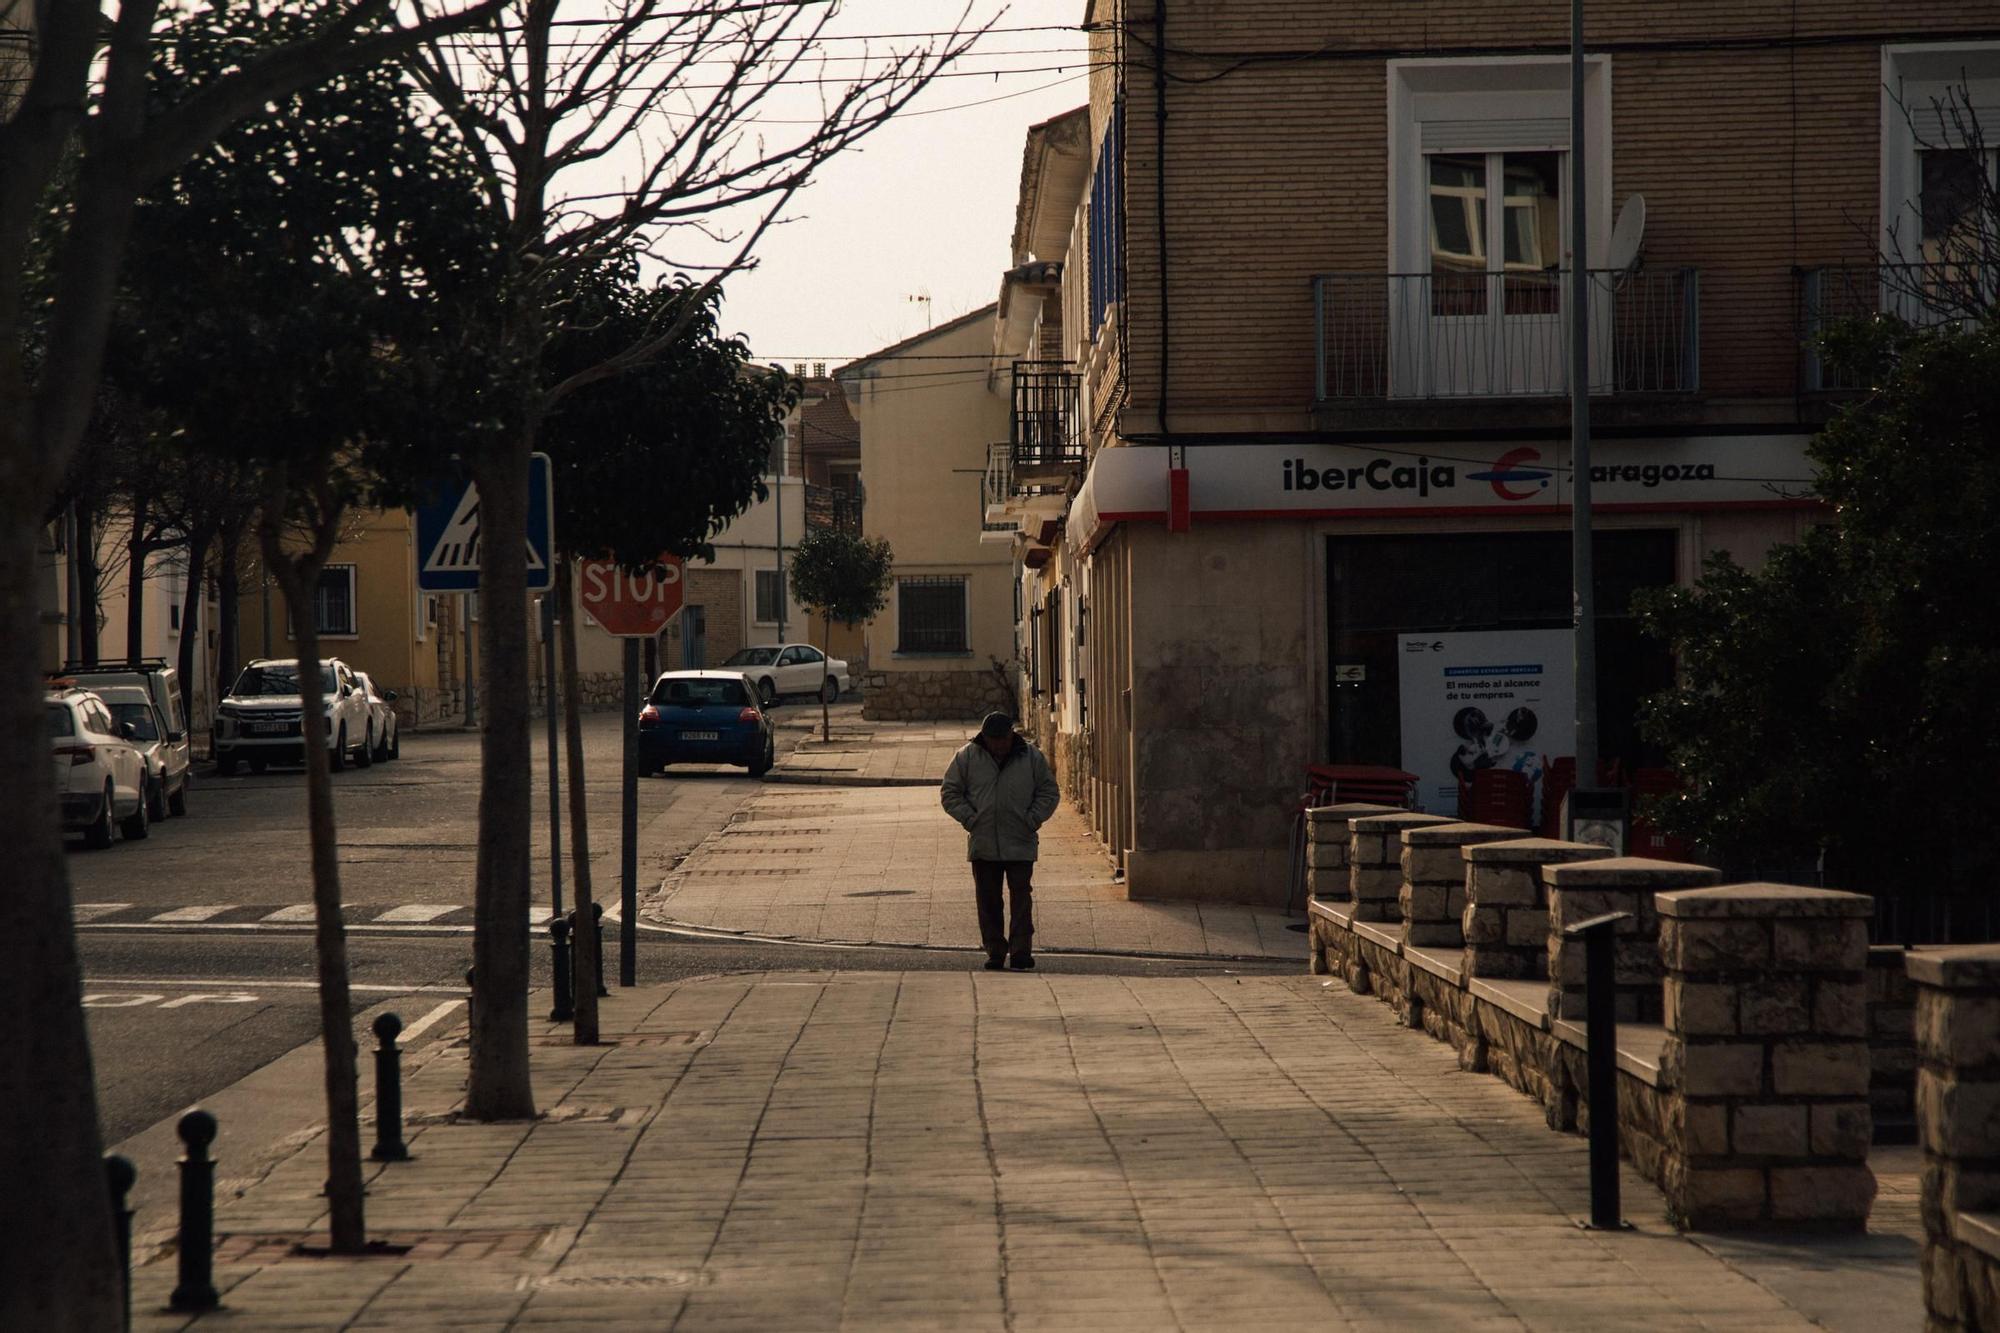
(1491, 699)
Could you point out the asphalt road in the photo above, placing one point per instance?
(197, 942)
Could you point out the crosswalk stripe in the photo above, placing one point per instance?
(416, 913)
(296, 912)
(92, 911)
(198, 912)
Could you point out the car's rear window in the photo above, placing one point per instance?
(752, 657)
(698, 693)
(60, 722)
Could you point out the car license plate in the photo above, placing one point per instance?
(700, 736)
(267, 728)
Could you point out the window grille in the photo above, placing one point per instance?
(333, 600)
(930, 614)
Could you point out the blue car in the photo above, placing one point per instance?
(705, 717)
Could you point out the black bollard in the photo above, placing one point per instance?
(597, 912)
(120, 1174)
(389, 1145)
(1600, 1034)
(197, 1239)
(563, 1009)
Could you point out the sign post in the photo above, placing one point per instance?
(633, 608)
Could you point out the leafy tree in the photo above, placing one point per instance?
(86, 108)
(840, 575)
(652, 461)
(1840, 699)
(676, 93)
(341, 240)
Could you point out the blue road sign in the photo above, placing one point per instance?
(448, 535)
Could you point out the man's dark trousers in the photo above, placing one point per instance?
(1018, 940)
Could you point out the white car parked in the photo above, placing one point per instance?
(168, 769)
(385, 735)
(790, 668)
(100, 777)
(258, 721)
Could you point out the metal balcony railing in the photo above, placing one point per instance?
(1448, 334)
(996, 486)
(1921, 295)
(1047, 439)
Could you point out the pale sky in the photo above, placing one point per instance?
(926, 205)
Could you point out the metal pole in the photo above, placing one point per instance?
(196, 1290)
(471, 700)
(73, 602)
(121, 1175)
(1600, 1034)
(1583, 592)
(555, 771)
(389, 1145)
(563, 1009)
(781, 599)
(628, 819)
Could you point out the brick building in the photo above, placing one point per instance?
(1291, 482)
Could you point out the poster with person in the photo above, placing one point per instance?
(1486, 699)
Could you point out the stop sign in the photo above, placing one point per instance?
(632, 606)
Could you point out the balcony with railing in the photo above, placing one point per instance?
(1408, 340)
(1921, 295)
(1047, 436)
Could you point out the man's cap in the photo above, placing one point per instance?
(997, 725)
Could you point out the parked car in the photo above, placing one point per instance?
(100, 777)
(159, 680)
(385, 734)
(705, 717)
(258, 721)
(779, 669)
(168, 771)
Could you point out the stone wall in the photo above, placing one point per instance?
(1584, 889)
(419, 708)
(1958, 1120)
(1767, 1048)
(1506, 924)
(1747, 1105)
(933, 696)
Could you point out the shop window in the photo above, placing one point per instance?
(931, 615)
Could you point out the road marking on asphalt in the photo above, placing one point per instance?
(91, 911)
(265, 983)
(296, 912)
(417, 913)
(429, 1021)
(198, 912)
(211, 997)
(94, 1001)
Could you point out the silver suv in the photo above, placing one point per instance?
(258, 721)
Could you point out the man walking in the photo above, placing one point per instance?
(1000, 788)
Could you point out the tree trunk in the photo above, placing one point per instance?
(58, 1265)
(345, 1208)
(198, 543)
(229, 608)
(499, 1084)
(86, 582)
(584, 975)
(136, 551)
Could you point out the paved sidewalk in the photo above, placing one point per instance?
(860, 753)
(969, 1151)
(887, 866)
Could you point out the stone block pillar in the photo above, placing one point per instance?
(1506, 921)
(1617, 884)
(1327, 836)
(1958, 1121)
(1375, 862)
(1766, 1059)
(1432, 898)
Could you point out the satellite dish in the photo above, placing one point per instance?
(1628, 234)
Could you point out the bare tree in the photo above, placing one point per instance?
(1944, 245)
(668, 97)
(86, 102)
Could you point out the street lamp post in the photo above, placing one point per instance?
(1583, 593)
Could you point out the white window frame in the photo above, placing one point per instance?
(1912, 75)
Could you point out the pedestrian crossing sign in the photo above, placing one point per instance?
(448, 534)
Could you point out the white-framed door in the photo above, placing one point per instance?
(1491, 308)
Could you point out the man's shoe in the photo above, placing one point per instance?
(1024, 962)
(996, 964)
